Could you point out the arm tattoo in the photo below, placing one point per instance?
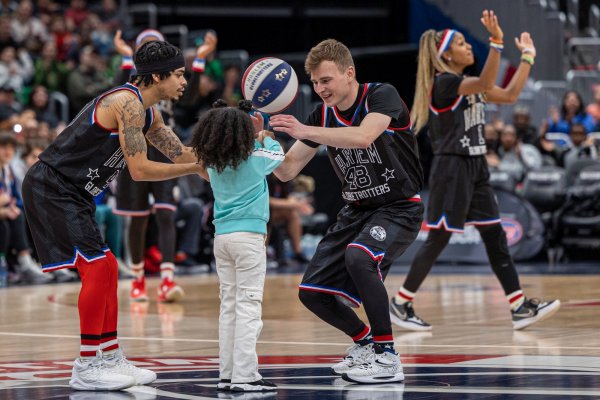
(107, 101)
(166, 142)
(133, 119)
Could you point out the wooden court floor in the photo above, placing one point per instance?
(472, 351)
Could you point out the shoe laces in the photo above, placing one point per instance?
(408, 307)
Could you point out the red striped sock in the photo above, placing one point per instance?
(167, 270)
(364, 337)
(109, 342)
(89, 345)
(404, 296)
(515, 299)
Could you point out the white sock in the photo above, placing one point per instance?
(404, 296)
(167, 270)
(137, 269)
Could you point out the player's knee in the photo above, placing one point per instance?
(312, 300)
(358, 259)
(165, 216)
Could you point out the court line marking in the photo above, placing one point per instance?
(159, 339)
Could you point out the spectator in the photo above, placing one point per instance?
(526, 132)
(516, 157)
(77, 12)
(28, 30)
(593, 109)
(50, 71)
(491, 143)
(87, 81)
(583, 146)
(287, 209)
(14, 220)
(231, 88)
(16, 68)
(6, 38)
(572, 111)
(38, 103)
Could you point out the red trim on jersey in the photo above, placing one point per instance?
(450, 107)
(336, 111)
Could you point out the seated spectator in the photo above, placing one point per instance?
(491, 143)
(12, 217)
(572, 111)
(50, 72)
(16, 68)
(583, 146)
(286, 209)
(88, 80)
(593, 109)
(516, 157)
(28, 30)
(38, 102)
(526, 132)
(188, 219)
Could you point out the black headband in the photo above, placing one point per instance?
(156, 67)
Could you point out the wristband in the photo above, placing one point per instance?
(127, 63)
(198, 65)
(497, 41)
(528, 59)
(497, 47)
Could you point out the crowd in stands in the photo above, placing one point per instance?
(49, 49)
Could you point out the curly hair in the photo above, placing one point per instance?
(224, 136)
(155, 50)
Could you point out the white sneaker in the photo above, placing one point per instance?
(94, 375)
(357, 355)
(118, 364)
(384, 367)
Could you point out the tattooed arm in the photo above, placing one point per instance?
(164, 139)
(130, 116)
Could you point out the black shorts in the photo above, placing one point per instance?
(384, 233)
(133, 197)
(61, 219)
(460, 194)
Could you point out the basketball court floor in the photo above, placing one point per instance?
(472, 352)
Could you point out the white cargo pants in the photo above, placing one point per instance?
(241, 265)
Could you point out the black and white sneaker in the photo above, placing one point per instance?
(224, 384)
(532, 311)
(404, 316)
(256, 386)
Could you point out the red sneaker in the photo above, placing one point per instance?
(169, 291)
(138, 290)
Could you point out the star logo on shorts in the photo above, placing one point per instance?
(93, 174)
(388, 174)
(465, 141)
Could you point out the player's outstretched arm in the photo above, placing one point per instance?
(345, 137)
(295, 159)
(166, 141)
(511, 92)
(131, 116)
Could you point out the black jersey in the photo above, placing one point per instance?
(87, 154)
(389, 169)
(456, 122)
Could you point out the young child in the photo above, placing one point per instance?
(237, 161)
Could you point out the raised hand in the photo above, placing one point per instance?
(121, 46)
(525, 44)
(208, 46)
(490, 21)
(258, 121)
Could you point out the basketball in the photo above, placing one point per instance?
(270, 84)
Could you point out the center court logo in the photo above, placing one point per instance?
(378, 233)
